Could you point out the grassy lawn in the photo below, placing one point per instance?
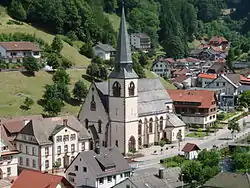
(167, 84)
(68, 51)
(176, 161)
(197, 134)
(229, 115)
(115, 20)
(16, 86)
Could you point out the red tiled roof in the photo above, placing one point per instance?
(244, 80)
(22, 46)
(202, 46)
(181, 71)
(218, 39)
(207, 76)
(190, 147)
(180, 78)
(37, 179)
(204, 97)
(170, 60)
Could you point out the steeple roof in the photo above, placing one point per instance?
(123, 59)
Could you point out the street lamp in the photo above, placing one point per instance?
(182, 183)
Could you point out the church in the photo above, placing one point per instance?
(128, 112)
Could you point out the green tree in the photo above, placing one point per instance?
(58, 91)
(93, 70)
(192, 171)
(179, 138)
(61, 76)
(57, 44)
(97, 60)
(143, 59)
(230, 58)
(80, 90)
(233, 126)
(53, 60)
(137, 67)
(31, 64)
(66, 63)
(209, 158)
(28, 102)
(17, 11)
(87, 50)
(244, 99)
(53, 106)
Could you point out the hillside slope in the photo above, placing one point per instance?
(68, 51)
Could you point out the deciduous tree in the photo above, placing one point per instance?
(31, 64)
(80, 90)
(61, 76)
(57, 44)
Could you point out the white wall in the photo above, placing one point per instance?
(46, 157)
(205, 81)
(11, 162)
(135, 41)
(161, 68)
(2, 52)
(101, 53)
(199, 120)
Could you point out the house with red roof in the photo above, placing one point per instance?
(191, 151)
(195, 107)
(205, 78)
(36, 179)
(8, 156)
(16, 51)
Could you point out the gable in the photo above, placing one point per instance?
(99, 113)
(220, 79)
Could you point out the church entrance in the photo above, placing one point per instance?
(131, 143)
(139, 142)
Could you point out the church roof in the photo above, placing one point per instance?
(123, 59)
(151, 100)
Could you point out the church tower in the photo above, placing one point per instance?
(123, 95)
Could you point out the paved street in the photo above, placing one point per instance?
(222, 138)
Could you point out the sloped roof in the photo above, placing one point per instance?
(190, 147)
(105, 47)
(43, 129)
(218, 39)
(141, 35)
(204, 97)
(31, 179)
(5, 140)
(181, 71)
(20, 46)
(225, 78)
(174, 120)
(229, 180)
(207, 76)
(151, 100)
(113, 156)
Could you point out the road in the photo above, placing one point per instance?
(222, 138)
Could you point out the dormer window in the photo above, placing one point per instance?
(116, 89)
(131, 89)
(93, 104)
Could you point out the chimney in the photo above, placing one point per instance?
(97, 150)
(65, 122)
(161, 173)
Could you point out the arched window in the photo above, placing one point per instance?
(116, 89)
(150, 125)
(161, 123)
(168, 108)
(131, 89)
(139, 127)
(86, 123)
(99, 126)
(131, 143)
(93, 104)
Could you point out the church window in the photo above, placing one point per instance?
(86, 123)
(161, 123)
(93, 104)
(116, 89)
(139, 127)
(150, 125)
(167, 108)
(116, 111)
(99, 126)
(131, 89)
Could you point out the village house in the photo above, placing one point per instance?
(191, 151)
(164, 178)
(103, 168)
(8, 156)
(15, 52)
(184, 81)
(104, 51)
(124, 111)
(219, 41)
(51, 143)
(140, 41)
(161, 67)
(205, 65)
(36, 179)
(219, 68)
(179, 72)
(204, 79)
(195, 107)
(229, 90)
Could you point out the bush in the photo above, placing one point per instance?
(221, 116)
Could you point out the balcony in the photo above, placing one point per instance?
(196, 114)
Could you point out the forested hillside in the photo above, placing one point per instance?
(173, 24)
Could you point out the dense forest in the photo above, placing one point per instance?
(173, 24)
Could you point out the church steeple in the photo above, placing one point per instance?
(123, 59)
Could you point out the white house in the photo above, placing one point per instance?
(16, 51)
(229, 90)
(104, 51)
(125, 111)
(161, 67)
(140, 41)
(205, 78)
(51, 143)
(102, 168)
(8, 157)
(191, 151)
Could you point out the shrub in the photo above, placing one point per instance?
(221, 116)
